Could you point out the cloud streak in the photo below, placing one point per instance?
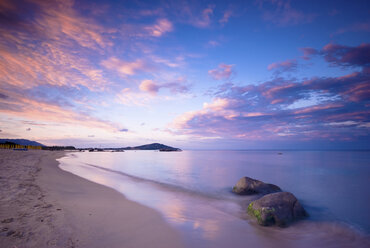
(175, 87)
(281, 13)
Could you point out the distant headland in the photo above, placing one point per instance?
(29, 144)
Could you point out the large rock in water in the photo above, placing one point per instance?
(276, 209)
(249, 186)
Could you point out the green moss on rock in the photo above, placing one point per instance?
(267, 212)
(255, 212)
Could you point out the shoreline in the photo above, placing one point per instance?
(43, 206)
(205, 222)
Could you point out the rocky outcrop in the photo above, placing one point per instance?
(249, 186)
(276, 209)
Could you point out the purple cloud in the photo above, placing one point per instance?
(341, 55)
(299, 110)
(225, 17)
(346, 55)
(357, 27)
(3, 96)
(284, 66)
(177, 86)
(308, 52)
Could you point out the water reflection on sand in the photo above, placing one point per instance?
(209, 220)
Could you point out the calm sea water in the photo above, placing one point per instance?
(192, 190)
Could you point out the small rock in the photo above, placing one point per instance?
(7, 220)
(11, 232)
(249, 186)
(276, 209)
(19, 234)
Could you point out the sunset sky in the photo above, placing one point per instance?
(254, 74)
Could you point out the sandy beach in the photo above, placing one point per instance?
(43, 206)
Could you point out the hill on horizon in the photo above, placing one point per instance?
(22, 142)
(153, 146)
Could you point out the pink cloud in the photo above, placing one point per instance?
(149, 86)
(218, 108)
(62, 22)
(125, 68)
(57, 29)
(205, 18)
(6, 6)
(50, 64)
(272, 92)
(38, 111)
(358, 93)
(223, 71)
(317, 108)
(161, 27)
(283, 66)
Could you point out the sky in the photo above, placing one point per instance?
(260, 74)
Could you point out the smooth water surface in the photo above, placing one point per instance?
(192, 190)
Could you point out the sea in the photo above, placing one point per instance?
(192, 191)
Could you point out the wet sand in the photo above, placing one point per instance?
(43, 206)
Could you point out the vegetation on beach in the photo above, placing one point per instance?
(10, 145)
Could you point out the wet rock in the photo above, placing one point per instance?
(276, 209)
(249, 186)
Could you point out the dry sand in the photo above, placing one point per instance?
(44, 206)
